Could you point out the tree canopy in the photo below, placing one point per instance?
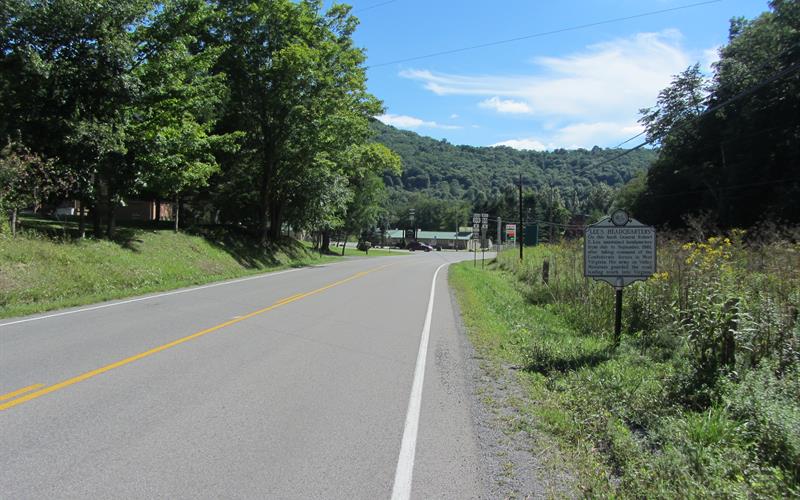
(253, 107)
(730, 145)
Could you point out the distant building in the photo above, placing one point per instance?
(131, 210)
(445, 239)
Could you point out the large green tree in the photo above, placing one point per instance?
(171, 134)
(67, 88)
(297, 91)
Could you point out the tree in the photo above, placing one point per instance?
(178, 106)
(297, 91)
(26, 179)
(65, 68)
(367, 164)
(733, 157)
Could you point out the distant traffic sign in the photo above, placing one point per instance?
(511, 232)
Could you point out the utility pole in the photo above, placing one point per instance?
(521, 234)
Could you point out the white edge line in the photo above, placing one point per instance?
(149, 297)
(405, 463)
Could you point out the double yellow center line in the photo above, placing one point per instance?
(24, 395)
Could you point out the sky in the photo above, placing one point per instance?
(574, 88)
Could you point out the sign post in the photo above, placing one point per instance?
(484, 229)
(619, 250)
(476, 235)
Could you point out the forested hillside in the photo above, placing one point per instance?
(444, 183)
(444, 170)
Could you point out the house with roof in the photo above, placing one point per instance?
(446, 239)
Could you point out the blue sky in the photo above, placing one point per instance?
(573, 89)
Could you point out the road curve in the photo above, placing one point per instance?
(291, 385)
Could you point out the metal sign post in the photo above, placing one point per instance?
(619, 250)
(484, 229)
(476, 235)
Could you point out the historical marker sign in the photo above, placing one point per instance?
(619, 250)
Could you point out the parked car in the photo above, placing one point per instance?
(416, 245)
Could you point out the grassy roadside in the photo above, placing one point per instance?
(499, 322)
(613, 413)
(40, 272)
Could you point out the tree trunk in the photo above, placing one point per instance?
(158, 211)
(96, 220)
(344, 245)
(97, 216)
(111, 226)
(177, 213)
(14, 222)
(275, 218)
(82, 219)
(264, 206)
(325, 246)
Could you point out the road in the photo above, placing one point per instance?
(322, 382)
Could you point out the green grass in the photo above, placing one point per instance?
(40, 271)
(610, 410)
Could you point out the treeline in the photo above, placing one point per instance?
(446, 183)
(257, 110)
(730, 145)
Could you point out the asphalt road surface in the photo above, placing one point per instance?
(337, 381)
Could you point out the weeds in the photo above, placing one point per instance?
(702, 398)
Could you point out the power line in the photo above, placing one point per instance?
(723, 188)
(374, 6)
(540, 34)
(740, 95)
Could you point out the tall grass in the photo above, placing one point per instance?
(703, 395)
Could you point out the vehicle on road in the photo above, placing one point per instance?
(416, 245)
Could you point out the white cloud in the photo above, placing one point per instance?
(709, 57)
(588, 97)
(528, 143)
(454, 116)
(505, 105)
(411, 123)
(578, 135)
(587, 135)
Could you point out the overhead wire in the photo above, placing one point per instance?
(750, 90)
(542, 34)
(374, 6)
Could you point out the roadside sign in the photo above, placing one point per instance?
(511, 232)
(619, 250)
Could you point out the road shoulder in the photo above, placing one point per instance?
(519, 461)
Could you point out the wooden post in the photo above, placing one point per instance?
(728, 355)
(618, 317)
(546, 272)
(14, 222)
(177, 214)
(521, 231)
